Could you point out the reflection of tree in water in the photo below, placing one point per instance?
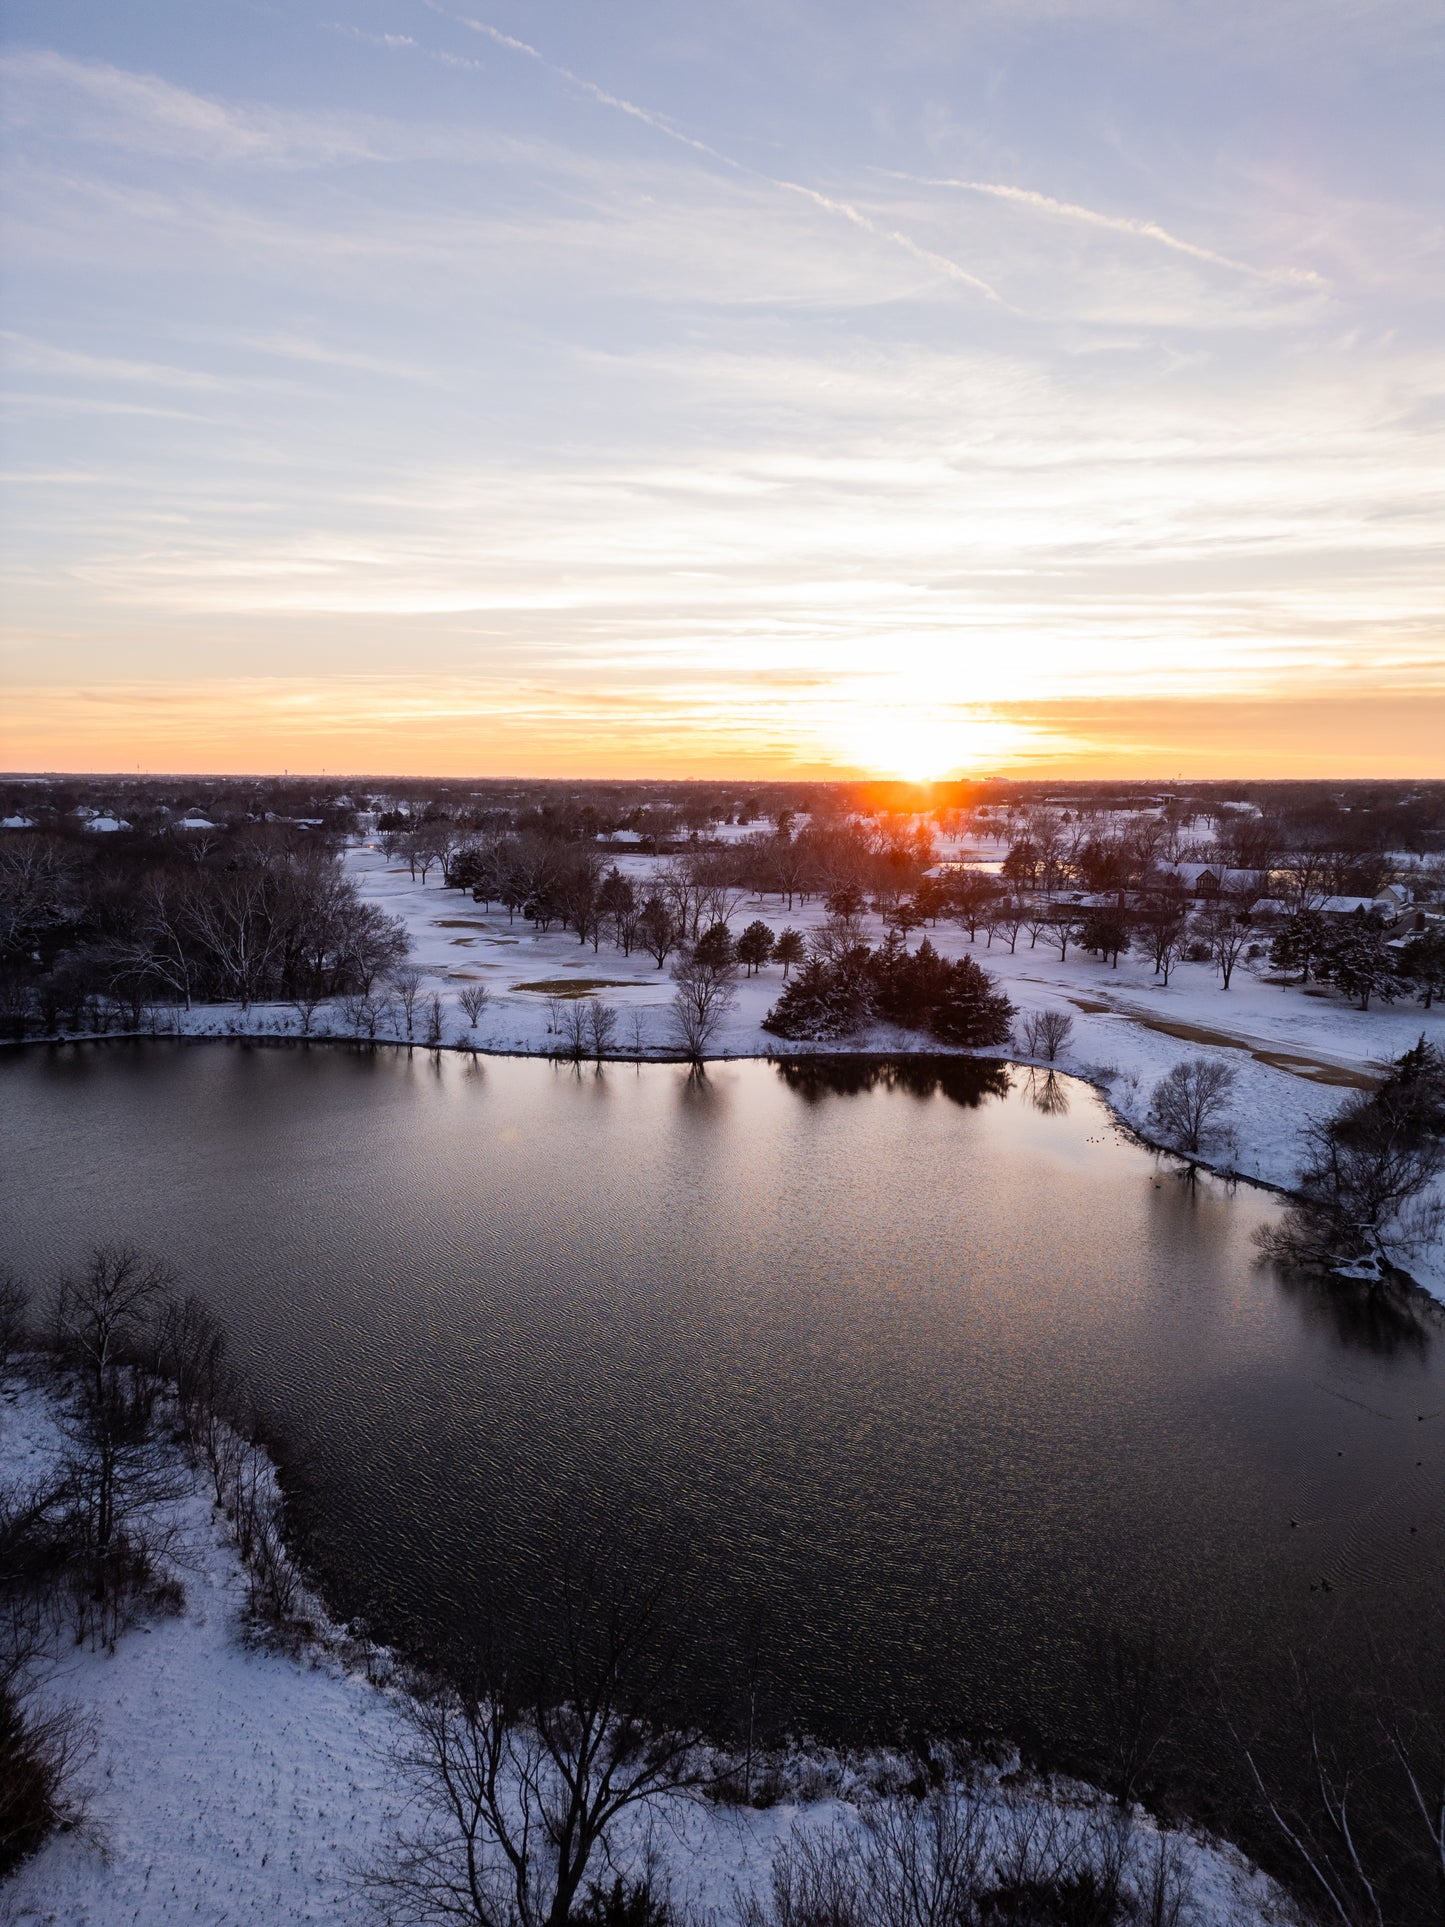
(1361, 1314)
(963, 1080)
(1048, 1093)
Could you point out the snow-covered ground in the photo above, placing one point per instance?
(1297, 1053)
(230, 1785)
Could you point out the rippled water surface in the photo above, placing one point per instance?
(937, 1379)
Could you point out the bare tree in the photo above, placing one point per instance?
(971, 895)
(1046, 1032)
(839, 937)
(473, 1000)
(1063, 928)
(574, 1028)
(1170, 942)
(1364, 1190)
(1226, 929)
(362, 1014)
(657, 930)
(703, 997)
(518, 1779)
(1190, 1101)
(406, 989)
(1163, 934)
(1356, 1790)
(159, 952)
(601, 1026)
(233, 924)
(1006, 920)
(108, 1323)
(306, 1003)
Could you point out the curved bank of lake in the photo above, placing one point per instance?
(942, 1377)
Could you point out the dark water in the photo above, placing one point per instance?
(938, 1380)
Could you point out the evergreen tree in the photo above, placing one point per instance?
(1299, 944)
(755, 946)
(1423, 959)
(1361, 963)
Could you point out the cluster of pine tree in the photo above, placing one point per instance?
(835, 996)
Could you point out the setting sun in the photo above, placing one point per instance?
(920, 742)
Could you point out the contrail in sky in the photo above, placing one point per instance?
(1119, 223)
(660, 124)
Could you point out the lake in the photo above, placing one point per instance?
(937, 1373)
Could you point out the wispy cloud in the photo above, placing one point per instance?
(47, 358)
(149, 115)
(1115, 223)
(664, 125)
(318, 353)
(371, 39)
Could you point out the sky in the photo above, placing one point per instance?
(747, 389)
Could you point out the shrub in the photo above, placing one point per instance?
(623, 1904)
(37, 1756)
(14, 1302)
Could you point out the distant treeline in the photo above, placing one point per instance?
(118, 894)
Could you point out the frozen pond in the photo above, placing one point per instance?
(940, 1381)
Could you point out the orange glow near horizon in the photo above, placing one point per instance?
(387, 727)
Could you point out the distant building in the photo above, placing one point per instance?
(1211, 880)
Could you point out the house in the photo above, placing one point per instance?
(1415, 918)
(1211, 880)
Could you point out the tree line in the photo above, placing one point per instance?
(94, 930)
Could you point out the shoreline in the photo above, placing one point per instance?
(1101, 1086)
(310, 1706)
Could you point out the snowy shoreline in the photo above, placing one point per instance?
(243, 1783)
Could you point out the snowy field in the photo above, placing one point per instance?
(234, 1787)
(1296, 1053)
